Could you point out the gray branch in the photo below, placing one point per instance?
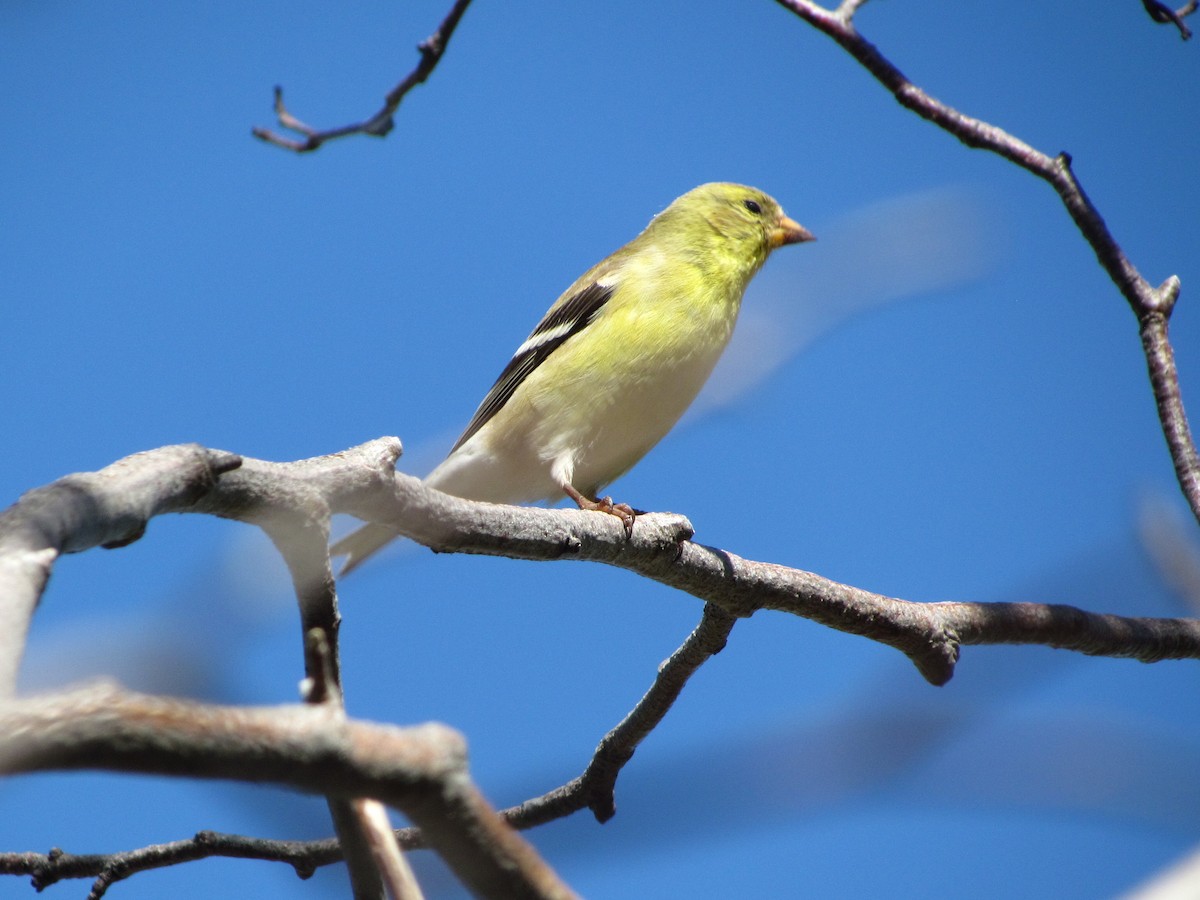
(109, 508)
(312, 748)
(293, 503)
(362, 481)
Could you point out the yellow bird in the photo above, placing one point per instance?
(614, 362)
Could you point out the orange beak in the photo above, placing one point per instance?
(789, 231)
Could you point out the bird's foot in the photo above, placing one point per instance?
(622, 511)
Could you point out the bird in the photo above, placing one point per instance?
(614, 362)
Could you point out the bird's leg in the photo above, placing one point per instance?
(622, 511)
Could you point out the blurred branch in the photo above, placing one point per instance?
(300, 532)
(594, 789)
(315, 749)
(357, 833)
(1177, 881)
(1151, 305)
(355, 821)
(1173, 550)
(1163, 14)
(385, 849)
(382, 122)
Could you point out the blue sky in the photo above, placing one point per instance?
(943, 398)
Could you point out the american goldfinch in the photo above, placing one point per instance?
(614, 362)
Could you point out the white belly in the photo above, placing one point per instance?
(588, 427)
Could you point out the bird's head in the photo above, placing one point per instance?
(736, 221)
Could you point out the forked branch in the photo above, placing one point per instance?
(383, 121)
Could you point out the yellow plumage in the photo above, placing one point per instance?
(614, 362)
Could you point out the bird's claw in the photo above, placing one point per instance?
(622, 511)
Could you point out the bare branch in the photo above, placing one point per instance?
(354, 821)
(382, 122)
(1164, 381)
(109, 508)
(301, 534)
(1163, 14)
(421, 771)
(389, 858)
(46, 869)
(595, 788)
(930, 634)
(1152, 306)
(362, 481)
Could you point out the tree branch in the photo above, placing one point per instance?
(930, 634)
(116, 504)
(46, 869)
(1151, 305)
(354, 821)
(300, 534)
(595, 788)
(108, 509)
(315, 749)
(362, 481)
(382, 122)
(385, 850)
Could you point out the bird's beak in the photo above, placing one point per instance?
(789, 231)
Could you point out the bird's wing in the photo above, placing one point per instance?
(564, 320)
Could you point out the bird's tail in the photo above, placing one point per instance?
(358, 545)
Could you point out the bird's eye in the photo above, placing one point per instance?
(753, 206)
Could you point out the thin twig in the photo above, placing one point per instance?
(382, 122)
(595, 788)
(50, 868)
(1151, 305)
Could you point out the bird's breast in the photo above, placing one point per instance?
(603, 415)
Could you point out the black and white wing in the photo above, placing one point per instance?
(562, 322)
